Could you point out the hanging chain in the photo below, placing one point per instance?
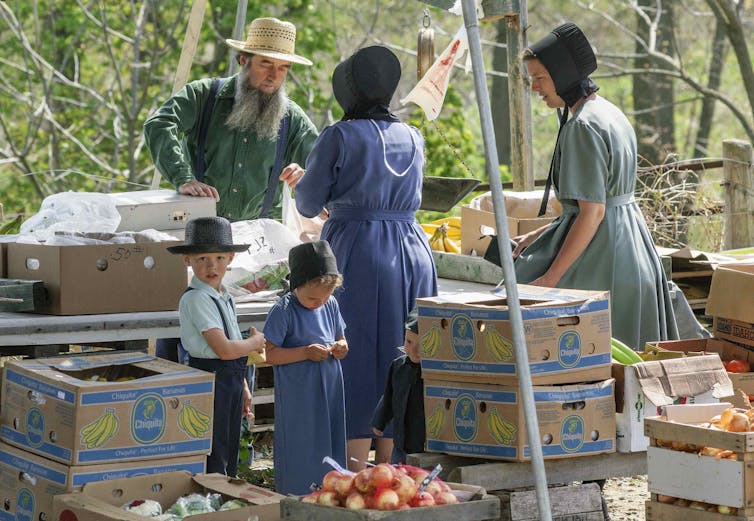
(452, 147)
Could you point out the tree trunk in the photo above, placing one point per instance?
(719, 48)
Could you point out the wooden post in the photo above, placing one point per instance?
(738, 173)
(520, 110)
(190, 42)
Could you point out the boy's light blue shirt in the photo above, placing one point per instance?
(198, 313)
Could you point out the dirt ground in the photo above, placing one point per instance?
(625, 498)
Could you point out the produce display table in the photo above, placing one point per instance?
(44, 335)
(503, 475)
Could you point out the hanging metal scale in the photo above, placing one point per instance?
(425, 47)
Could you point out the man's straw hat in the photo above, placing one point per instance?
(272, 38)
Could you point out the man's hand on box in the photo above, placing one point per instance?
(198, 189)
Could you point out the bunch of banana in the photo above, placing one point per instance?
(503, 431)
(497, 345)
(193, 422)
(444, 234)
(430, 341)
(100, 430)
(436, 421)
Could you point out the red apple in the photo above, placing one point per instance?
(328, 482)
(445, 498)
(356, 501)
(385, 499)
(419, 475)
(423, 500)
(382, 476)
(328, 497)
(361, 480)
(311, 497)
(404, 486)
(411, 470)
(433, 487)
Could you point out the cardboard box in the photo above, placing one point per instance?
(476, 224)
(52, 407)
(28, 482)
(102, 501)
(644, 389)
(3, 260)
(466, 337)
(487, 421)
(733, 317)
(688, 475)
(159, 209)
(109, 278)
(477, 505)
(727, 351)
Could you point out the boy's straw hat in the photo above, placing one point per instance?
(272, 38)
(310, 260)
(208, 235)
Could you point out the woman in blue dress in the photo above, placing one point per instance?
(366, 170)
(305, 343)
(600, 242)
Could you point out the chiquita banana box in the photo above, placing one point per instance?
(82, 410)
(488, 420)
(467, 337)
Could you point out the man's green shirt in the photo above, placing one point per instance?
(237, 163)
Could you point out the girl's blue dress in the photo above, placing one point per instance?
(309, 402)
(369, 176)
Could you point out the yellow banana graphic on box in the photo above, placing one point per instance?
(436, 421)
(100, 430)
(430, 341)
(503, 431)
(193, 422)
(497, 345)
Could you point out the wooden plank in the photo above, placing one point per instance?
(573, 503)
(509, 475)
(739, 181)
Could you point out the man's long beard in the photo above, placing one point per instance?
(256, 111)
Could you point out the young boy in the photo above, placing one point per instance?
(403, 400)
(211, 336)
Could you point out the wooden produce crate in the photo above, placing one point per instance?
(567, 503)
(693, 477)
(481, 506)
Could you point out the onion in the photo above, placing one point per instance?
(739, 422)
(662, 498)
(698, 505)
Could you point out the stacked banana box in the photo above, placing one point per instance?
(472, 401)
(73, 420)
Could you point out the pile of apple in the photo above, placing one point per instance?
(381, 487)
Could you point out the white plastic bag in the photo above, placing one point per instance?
(305, 228)
(72, 212)
(258, 273)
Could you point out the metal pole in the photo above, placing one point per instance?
(237, 34)
(514, 307)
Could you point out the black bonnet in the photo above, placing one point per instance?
(568, 57)
(365, 82)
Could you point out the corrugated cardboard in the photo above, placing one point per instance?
(159, 209)
(488, 420)
(466, 337)
(49, 403)
(28, 482)
(102, 501)
(645, 388)
(110, 278)
(733, 316)
(727, 351)
(474, 224)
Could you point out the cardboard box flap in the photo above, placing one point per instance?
(165, 487)
(80, 363)
(733, 279)
(551, 294)
(694, 412)
(95, 507)
(663, 381)
(238, 488)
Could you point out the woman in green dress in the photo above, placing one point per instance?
(601, 241)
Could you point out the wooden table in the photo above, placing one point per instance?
(504, 475)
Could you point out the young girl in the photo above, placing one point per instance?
(305, 343)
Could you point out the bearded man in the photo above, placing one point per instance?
(249, 129)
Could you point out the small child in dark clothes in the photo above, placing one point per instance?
(403, 400)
